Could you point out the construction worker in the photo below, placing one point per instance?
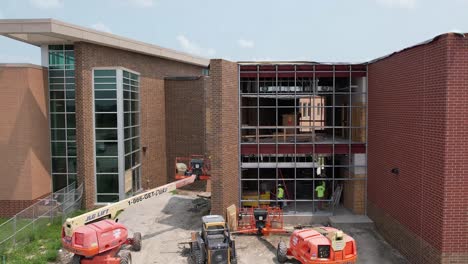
(280, 196)
(320, 193)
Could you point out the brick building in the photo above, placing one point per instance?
(384, 138)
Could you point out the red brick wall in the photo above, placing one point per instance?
(409, 121)
(222, 129)
(153, 132)
(455, 216)
(185, 121)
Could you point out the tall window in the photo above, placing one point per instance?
(61, 71)
(117, 133)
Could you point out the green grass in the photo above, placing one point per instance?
(40, 246)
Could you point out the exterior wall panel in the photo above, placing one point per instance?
(153, 131)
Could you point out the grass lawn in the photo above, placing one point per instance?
(39, 247)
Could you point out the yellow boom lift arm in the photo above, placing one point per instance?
(112, 210)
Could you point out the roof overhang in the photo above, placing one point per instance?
(50, 31)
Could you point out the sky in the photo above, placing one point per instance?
(240, 30)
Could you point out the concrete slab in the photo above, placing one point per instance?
(168, 220)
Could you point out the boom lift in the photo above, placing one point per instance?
(195, 164)
(93, 238)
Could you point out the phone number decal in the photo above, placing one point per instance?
(147, 196)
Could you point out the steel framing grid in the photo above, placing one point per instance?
(364, 97)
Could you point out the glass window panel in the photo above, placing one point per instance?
(59, 165)
(71, 134)
(71, 178)
(106, 134)
(57, 120)
(106, 149)
(107, 183)
(56, 80)
(105, 94)
(56, 86)
(135, 131)
(126, 95)
(56, 73)
(135, 106)
(71, 122)
(70, 94)
(70, 105)
(106, 120)
(72, 165)
(105, 86)
(56, 95)
(128, 146)
(56, 58)
(70, 67)
(59, 181)
(56, 67)
(126, 74)
(70, 86)
(127, 132)
(104, 80)
(133, 76)
(127, 105)
(107, 198)
(68, 47)
(57, 134)
(127, 119)
(69, 57)
(135, 158)
(105, 105)
(58, 148)
(70, 73)
(128, 162)
(134, 96)
(57, 106)
(135, 118)
(135, 143)
(105, 73)
(71, 148)
(70, 80)
(55, 47)
(106, 165)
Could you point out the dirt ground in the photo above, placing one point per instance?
(167, 221)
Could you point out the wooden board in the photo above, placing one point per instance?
(231, 215)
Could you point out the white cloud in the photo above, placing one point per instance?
(101, 27)
(398, 3)
(193, 48)
(243, 43)
(141, 3)
(47, 4)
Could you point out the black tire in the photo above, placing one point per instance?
(282, 252)
(197, 255)
(136, 245)
(76, 259)
(125, 257)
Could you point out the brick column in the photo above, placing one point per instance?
(84, 125)
(222, 134)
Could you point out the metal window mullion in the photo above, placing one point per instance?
(120, 134)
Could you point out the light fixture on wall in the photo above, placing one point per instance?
(395, 171)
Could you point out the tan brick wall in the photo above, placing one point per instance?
(222, 126)
(153, 131)
(24, 136)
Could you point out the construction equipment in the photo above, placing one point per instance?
(320, 245)
(213, 244)
(195, 164)
(93, 238)
(260, 221)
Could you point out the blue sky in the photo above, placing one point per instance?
(317, 30)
